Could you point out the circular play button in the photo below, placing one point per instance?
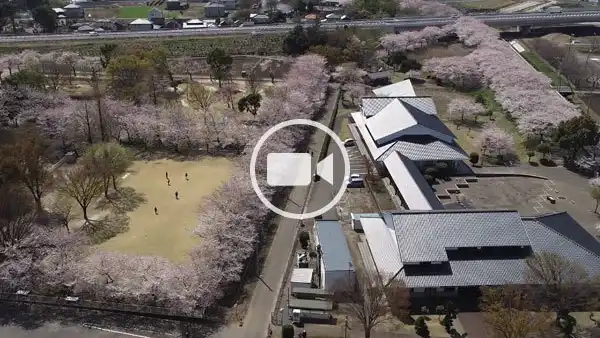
(296, 169)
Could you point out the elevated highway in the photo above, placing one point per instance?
(494, 20)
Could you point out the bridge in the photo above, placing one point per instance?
(416, 22)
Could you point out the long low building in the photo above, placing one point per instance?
(441, 252)
(403, 135)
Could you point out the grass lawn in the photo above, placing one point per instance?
(503, 123)
(133, 12)
(167, 234)
(544, 68)
(488, 4)
(344, 130)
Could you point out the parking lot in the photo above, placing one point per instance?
(358, 163)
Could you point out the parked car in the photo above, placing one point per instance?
(349, 142)
(355, 181)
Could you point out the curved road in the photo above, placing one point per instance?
(497, 20)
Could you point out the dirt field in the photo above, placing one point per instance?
(167, 234)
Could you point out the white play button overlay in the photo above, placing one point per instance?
(325, 169)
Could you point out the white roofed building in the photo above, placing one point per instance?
(403, 135)
(140, 25)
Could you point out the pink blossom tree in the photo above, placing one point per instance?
(464, 111)
(495, 141)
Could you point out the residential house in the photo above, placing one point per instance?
(74, 11)
(177, 5)
(140, 25)
(173, 24)
(109, 25)
(376, 79)
(230, 5)
(454, 252)
(194, 24)
(156, 16)
(214, 10)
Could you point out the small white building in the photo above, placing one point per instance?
(302, 278)
(140, 25)
(194, 24)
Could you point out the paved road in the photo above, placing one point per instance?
(495, 20)
(264, 297)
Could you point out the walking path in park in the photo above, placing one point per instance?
(264, 297)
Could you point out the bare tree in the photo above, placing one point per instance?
(199, 97)
(25, 156)
(559, 285)
(252, 79)
(62, 207)
(363, 300)
(83, 185)
(14, 231)
(509, 313)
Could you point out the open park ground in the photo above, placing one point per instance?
(168, 234)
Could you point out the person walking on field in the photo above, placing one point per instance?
(167, 175)
(155, 210)
(186, 176)
(177, 195)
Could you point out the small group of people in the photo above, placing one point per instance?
(169, 184)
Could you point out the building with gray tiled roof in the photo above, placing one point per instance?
(445, 251)
(403, 136)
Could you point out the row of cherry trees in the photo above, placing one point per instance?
(524, 93)
(232, 220)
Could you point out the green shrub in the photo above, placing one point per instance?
(474, 158)
(287, 331)
(304, 237)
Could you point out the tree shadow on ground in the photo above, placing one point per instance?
(31, 317)
(471, 125)
(182, 156)
(124, 200)
(108, 227)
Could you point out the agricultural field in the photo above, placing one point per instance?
(169, 232)
(176, 47)
(141, 11)
(487, 4)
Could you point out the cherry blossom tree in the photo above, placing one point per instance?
(523, 92)
(463, 111)
(457, 71)
(494, 140)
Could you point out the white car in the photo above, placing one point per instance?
(93, 33)
(355, 181)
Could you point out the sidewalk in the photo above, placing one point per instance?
(264, 298)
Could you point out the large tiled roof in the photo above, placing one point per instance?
(373, 105)
(472, 273)
(426, 149)
(416, 192)
(402, 88)
(424, 236)
(575, 245)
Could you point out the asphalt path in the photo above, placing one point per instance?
(501, 19)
